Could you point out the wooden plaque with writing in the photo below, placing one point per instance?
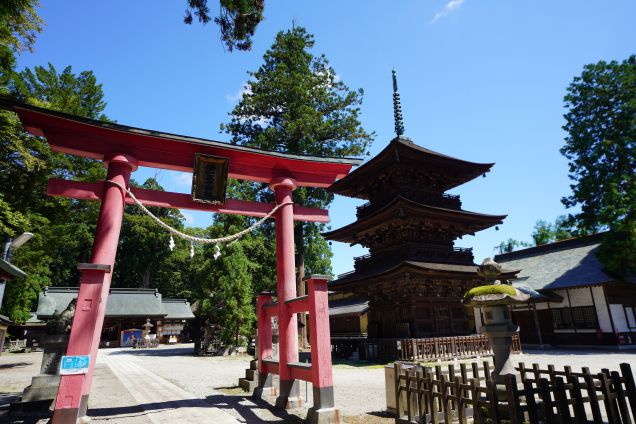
(209, 179)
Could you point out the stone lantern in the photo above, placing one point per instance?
(147, 326)
(494, 298)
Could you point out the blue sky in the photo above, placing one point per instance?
(482, 80)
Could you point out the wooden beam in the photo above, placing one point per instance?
(165, 199)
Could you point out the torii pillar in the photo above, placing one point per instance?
(289, 395)
(72, 398)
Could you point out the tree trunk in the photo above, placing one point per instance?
(146, 280)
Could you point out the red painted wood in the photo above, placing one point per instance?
(286, 274)
(166, 151)
(264, 330)
(298, 306)
(94, 286)
(300, 373)
(271, 310)
(270, 368)
(321, 368)
(165, 199)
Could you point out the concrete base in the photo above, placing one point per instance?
(323, 416)
(65, 416)
(289, 396)
(265, 386)
(247, 385)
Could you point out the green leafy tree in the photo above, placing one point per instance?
(601, 150)
(143, 245)
(63, 228)
(511, 245)
(19, 25)
(237, 20)
(546, 232)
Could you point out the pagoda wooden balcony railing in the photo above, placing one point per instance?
(446, 255)
(443, 200)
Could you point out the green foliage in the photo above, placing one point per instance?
(296, 103)
(233, 295)
(143, 245)
(237, 20)
(545, 232)
(601, 149)
(19, 25)
(63, 228)
(510, 245)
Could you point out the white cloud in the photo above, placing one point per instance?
(189, 218)
(451, 6)
(182, 179)
(233, 98)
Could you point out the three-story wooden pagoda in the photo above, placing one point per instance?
(413, 276)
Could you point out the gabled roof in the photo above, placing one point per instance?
(402, 151)
(8, 271)
(400, 206)
(568, 263)
(122, 302)
(350, 306)
(177, 309)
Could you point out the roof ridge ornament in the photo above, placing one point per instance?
(397, 108)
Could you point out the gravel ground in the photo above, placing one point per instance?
(359, 388)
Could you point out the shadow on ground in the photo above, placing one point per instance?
(15, 365)
(246, 406)
(175, 351)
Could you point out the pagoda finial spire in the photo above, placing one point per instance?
(397, 108)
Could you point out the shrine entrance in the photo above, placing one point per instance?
(122, 149)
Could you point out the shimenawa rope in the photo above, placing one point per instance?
(194, 239)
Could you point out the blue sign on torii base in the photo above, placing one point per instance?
(77, 364)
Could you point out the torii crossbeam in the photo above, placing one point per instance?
(122, 149)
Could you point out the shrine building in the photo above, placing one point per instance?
(414, 277)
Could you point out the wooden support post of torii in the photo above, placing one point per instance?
(320, 371)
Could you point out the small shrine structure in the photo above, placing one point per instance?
(414, 277)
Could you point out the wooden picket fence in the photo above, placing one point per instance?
(429, 349)
(433, 395)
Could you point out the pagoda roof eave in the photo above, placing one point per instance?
(345, 280)
(390, 154)
(383, 215)
(97, 139)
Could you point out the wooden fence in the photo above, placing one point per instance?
(430, 349)
(433, 395)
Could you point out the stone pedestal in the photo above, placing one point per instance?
(500, 329)
(43, 389)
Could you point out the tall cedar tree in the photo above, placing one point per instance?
(296, 103)
(601, 149)
(233, 296)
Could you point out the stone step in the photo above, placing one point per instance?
(247, 385)
(251, 375)
(254, 364)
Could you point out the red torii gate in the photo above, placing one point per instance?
(122, 149)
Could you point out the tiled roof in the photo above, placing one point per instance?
(122, 302)
(569, 263)
(351, 306)
(177, 309)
